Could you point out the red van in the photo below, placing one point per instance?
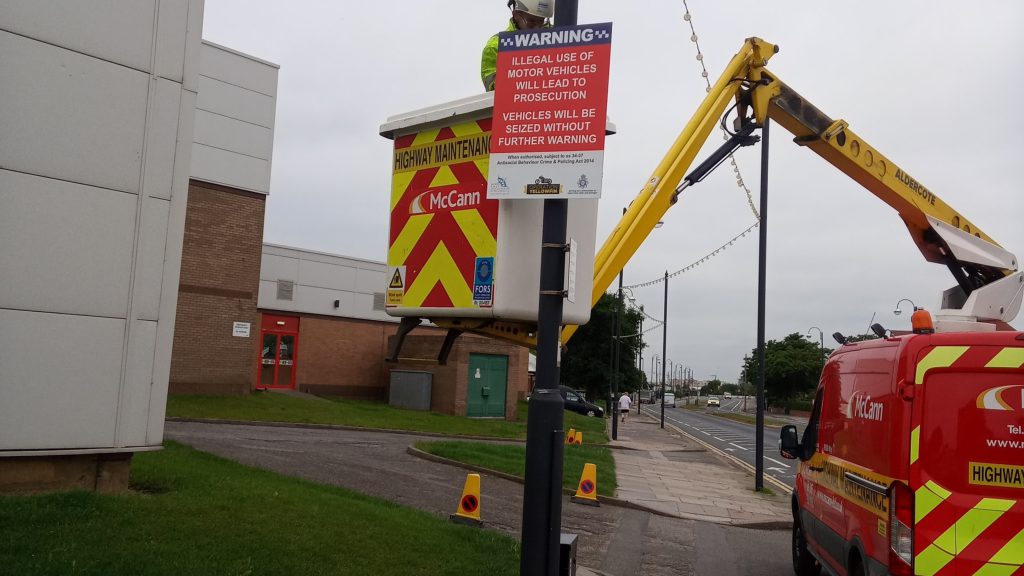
(912, 462)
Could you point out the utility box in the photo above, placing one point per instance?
(567, 554)
(410, 389)
(451, 251)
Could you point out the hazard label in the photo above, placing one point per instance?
(396, 287)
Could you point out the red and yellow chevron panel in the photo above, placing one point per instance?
(965, 534)
(965, 442)
(443, 228)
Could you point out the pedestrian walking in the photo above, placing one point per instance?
(624, 403)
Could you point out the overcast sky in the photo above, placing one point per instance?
(934, 85)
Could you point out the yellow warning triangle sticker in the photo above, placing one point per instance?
(396, 280)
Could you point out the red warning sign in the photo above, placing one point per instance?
(550, 105)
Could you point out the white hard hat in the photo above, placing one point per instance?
(541, 8)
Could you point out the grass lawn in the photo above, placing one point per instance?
(511, 459)
(273, 407)
(196, 514)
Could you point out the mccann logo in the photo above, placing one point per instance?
(445, 199)
(1002, 398)
(862, 406)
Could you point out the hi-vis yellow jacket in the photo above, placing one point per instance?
(489, 59)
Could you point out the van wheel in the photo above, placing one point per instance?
(590, 413)
(857, 567)
(803, 563)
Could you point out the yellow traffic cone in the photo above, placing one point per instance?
(578, 438)
(587, 491)
(469, 505)
(571, 436)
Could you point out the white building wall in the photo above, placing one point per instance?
(96, 115)
(318, 280)
(235, 112)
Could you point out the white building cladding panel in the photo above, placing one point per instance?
(320, 279)
(118, 31)
(77, 118)
(94, 108)
(54, 256)
(234, 129)
(60, 380)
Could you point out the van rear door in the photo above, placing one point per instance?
(967, 460)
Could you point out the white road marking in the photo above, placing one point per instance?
(777, 462)
(738, 446)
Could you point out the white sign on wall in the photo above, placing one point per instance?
(240, 330)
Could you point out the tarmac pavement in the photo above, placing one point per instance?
(669, 472)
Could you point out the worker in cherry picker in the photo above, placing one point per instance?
(526, 15)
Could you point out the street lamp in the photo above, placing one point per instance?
(902, 300)
(821, 343)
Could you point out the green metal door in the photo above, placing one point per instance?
(488, 379)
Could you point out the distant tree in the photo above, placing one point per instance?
(792, 367)
(861, 337)
(587, 361)
(712, 388)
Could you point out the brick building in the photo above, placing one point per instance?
(219, 275)
(252, 315)
(324, 330)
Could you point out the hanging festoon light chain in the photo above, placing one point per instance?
(704, 74)
(696, 263)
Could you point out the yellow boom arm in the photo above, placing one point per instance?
(942, 234)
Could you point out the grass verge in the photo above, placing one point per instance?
(194, 513)
(511, 459)
(273, 407)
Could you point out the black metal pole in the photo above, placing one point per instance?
(617, 352)
(542, 496)
(761, 280)
(664, 350)
(542, 490)
(640, 350)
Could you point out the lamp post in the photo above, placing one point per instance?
(542, 490)
(640, 357)
(897, 311)
(664, 349)
(821, 343)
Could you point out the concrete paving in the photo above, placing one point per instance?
(669, 472)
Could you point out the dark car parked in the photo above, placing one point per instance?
(575, 403)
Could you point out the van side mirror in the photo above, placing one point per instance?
(789, 442)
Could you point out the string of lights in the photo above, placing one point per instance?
(704, 73)
(688, 17)
(696, 263)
